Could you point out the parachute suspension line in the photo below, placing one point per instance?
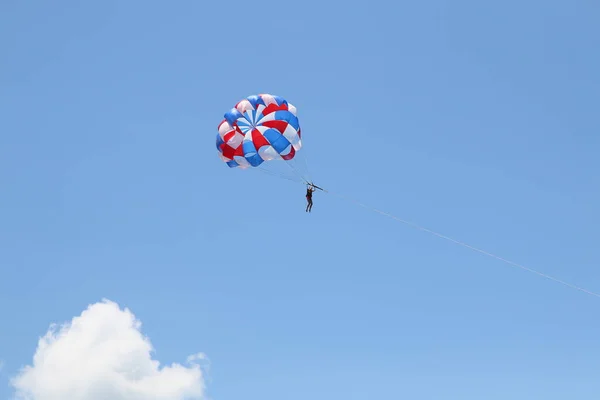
(296, 172)
(514, 264)
(303, 171)
(278, 175)
(307, 170)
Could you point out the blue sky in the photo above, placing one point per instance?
(473, 119)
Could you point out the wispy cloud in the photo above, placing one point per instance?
(102, 354)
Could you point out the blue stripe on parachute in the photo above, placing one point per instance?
(284, 115)
(251, 154)
(232, 116)
(255, 100)
(219, 142)
(277, 140)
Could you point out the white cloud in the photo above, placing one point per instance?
(101, 355)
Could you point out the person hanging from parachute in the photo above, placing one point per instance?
(261, 129)
(309, 191)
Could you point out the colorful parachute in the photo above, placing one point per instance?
(259, 128)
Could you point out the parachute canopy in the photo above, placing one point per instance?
(259, 128)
